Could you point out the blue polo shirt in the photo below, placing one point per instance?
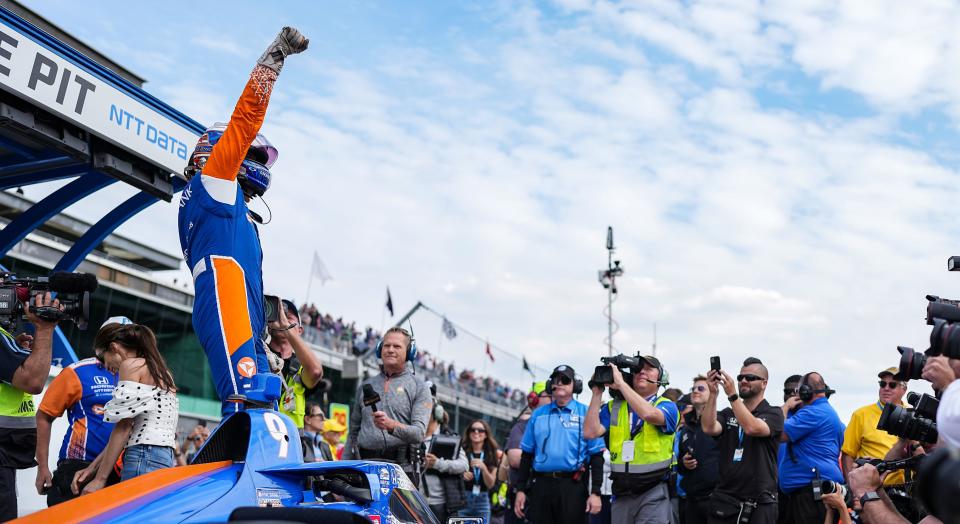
(671, 416)
(554, 436)
(816, 436)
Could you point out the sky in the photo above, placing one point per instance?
(779, 176)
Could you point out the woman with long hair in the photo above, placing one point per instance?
(144, 407)
(483, 454)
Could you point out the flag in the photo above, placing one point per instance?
(319, 269)
(389, 302)
(490, 353)
(448, 329)
(526, 367)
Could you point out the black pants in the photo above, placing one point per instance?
(17, 447)
(764, 514)
(558, 501)
(8, 494)
(696, 510)
(439, 511)
(800, 508)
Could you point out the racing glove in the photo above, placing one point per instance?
(288, 42)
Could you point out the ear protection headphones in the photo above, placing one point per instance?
(577, 385)
(411, 348)
(806, 393)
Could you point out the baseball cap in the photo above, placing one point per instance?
(654, 363)
(292, 308)
(333, 425)
(564, 370)
(889, 371)
(122, 320)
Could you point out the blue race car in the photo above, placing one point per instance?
(251, 469)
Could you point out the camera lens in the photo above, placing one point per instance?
(898, 421)
(911, 363)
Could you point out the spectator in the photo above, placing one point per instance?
(863, 440)
(673, 394)
(332, 432)
(813, 435)
(789, 391)
(443, 478)
(537, 397)
(195, 440)
(301, 370)
(640, 426)
(558, 455)
(24, 367)
(144, 407)
(81, 390)
(483, 455)
(699, 457)
(749, 431)
(311, 440)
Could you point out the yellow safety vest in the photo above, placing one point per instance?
(13, 402)
(652, 449)
(294, 396)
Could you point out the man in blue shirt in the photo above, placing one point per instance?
(814, 436)
(640, 426)
(555, 449)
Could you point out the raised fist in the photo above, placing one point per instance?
(296, 42)
(288, 42)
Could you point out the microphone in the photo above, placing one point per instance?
(64, 282)
(370, 397)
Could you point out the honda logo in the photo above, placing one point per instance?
(103, 381)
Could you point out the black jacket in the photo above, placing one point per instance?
(698, 482)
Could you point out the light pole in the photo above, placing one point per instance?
(608, 279)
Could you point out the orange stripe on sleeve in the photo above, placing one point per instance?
(90, 506)
(64, 391)
(231, 302)
(245, 123)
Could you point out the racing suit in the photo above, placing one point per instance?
(221, 244)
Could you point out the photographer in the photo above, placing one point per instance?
(390, 426)
(749, 432)
(699, 458)
(872, 502)
(641, 427)
(301, 371)
(24, 368)
(813, 436)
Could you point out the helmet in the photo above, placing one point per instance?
(254, 173)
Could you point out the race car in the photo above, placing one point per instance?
(252, 468)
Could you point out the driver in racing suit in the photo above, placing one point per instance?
(220, 242)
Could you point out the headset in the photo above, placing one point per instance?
(806, 393)
(577, 384)
(411, 348)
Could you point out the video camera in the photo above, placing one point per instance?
(603, 375)
(937, 482)
(920, 423)
(72, 289)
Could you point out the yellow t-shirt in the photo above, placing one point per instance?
(863, 439)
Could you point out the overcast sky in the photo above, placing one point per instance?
(781, 177)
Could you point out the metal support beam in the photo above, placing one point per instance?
(99, 231)
(29, 220)
(26, 177)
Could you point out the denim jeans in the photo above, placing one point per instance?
(144, 458)
(477, 506)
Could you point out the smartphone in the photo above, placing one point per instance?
(715, 363)
(271, 308)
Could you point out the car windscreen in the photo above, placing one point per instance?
(408, 507)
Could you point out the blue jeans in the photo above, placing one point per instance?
(144, 458)
(477, 506)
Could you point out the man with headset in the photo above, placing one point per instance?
(555, 448)
(393, 428)
(641, 426)
(814, 435)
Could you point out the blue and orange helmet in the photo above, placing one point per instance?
(254, 175)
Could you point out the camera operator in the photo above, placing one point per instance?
(391, 428)
(556, 449)
(813, 436)
(872, 502)
(699, 457)
(301, 371)
(641, 428)
(442, 484)
(749, 432)
(24, 367)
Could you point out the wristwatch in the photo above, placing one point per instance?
(869, 496)
(733, 397)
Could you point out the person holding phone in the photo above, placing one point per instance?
(699, 457)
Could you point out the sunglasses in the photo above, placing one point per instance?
(698, 388)
(749, 378)
(477, 430)
(565, 380)
(315, 415)
(890, 385)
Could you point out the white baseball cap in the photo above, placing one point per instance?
(123, 321)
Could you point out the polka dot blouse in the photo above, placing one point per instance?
(154, 411)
